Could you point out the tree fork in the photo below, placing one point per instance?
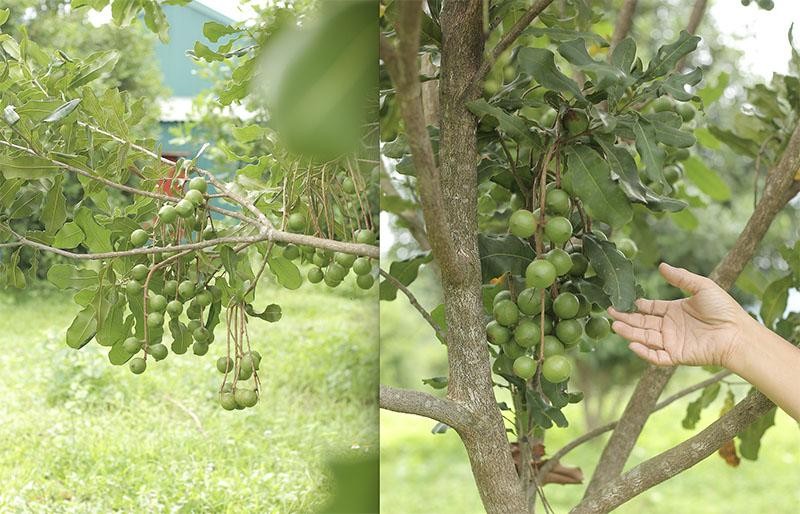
(779, 189)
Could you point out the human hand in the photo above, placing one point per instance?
(706, 328)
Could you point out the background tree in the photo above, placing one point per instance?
(530, 116)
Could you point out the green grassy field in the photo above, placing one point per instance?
(80, 435)
(424, 473)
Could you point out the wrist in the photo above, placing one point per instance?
(747, 334)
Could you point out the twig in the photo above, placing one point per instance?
(413, 301)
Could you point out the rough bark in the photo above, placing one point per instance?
(780, 188)
(677, 459)
(423, 404)
(470, 381)
(624, 22)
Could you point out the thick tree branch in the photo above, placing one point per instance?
(509, 38)
(413, 301)
(588, 436)
(779, 189)
(677, 459)
(624, 22)
(401, 63)
(423, 404)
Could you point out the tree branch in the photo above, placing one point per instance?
(780, 187)
(401, 63)
(413, 301)
(408, 401)
(588, 436)
(624, 22)
(510, 36)
(677, 459)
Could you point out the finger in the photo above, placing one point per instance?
(682, 278)
(651, 338)
(636, 319)
(657, 307)
(657, 357)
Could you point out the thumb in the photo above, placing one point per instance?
(682, 278)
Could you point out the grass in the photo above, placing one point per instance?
(423, 473)
(80, 435)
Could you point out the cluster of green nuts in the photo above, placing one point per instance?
(333, 267)
(173, 298)
(540, 324)
(232, 396)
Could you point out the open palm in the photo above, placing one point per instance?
(698, 330)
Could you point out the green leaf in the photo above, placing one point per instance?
(201, 51)
(668, 135)
(117, 354)
(615, 271)
(4, 14)
(180, 333)
(503, 253)
(285, 271)
(436, 382)
(540, 64)
(647, 146)
(111, 327)
(54, 212)
(675, 85)
(439, 317)
(623, 54)
(588, 176)
(604, 75)
(773, 302)
(738, 144)
(97, 65)
(83, 328)
(558, 35)
(63, 111)
(24, 204)
(249, 133)
(214, 30)
(514, 126)
(271, 313)
(98, 239)
(694, 408)
(8, 191)
(68, 236)
(212, 320)
(65, 276)
(706, 180)
(26, 166)
(668, 55)
(323, 77)
(405, 271)
(750, 437)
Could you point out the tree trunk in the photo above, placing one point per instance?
(470, 373)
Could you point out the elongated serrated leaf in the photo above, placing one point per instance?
(614, 270)
(8, 191)
(65, 276)
(83, 328)
(540, 64)
(97, 238)
(624, 167)
(773, 302)
(501, 254)
(668, 55)
(604, 75)
(738, 144)
(694, 408)
(26, 167)
(4, 14)
(405, 271)
(589, 178)
(706, 180)
(214, 30)
(557, 35)
(669, 135)
(63, 111)
(514, 126)
(54, 211)
(675, 85)
(623, 54)
(647, 146)
(212, 319)
(285, 271)
(25, 204)
(750, 437)
(68, 236)
(99, 63)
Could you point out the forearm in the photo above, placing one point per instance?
(771, 364)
